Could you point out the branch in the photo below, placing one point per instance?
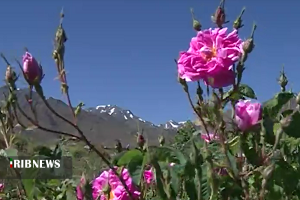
(92, 147)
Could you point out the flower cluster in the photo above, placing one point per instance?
(210, 57)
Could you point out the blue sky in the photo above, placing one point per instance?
(121, 52)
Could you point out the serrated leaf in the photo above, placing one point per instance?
(234, 145)
(273, 106)
(136, 168)
(269, 125)
(128, 156)
(243, 91)
(293, 126)
(247, 91)
(168, 154)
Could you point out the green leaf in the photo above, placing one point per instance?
(190, 188)
(117, 157)
(11, 152)
(293, 126)
(29, 186)
(233, 162)
(247, 91)
(273, 106)
(159, 180)
(250, 153)
(70, 194)
(269, 125)
(287, 112)
(244, 91)
(175, 177)
(136, 168)
(234, 145)
(168, 154)
(128, 156)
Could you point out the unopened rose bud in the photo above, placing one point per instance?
(118, 146)
(196, 25)
(1, 187)
(140, 140)
(238, 23)
(183, 83)
(80, 188)
(32, 70)
(248, 45)
(219, 17)
(10, 75)
(283, 80)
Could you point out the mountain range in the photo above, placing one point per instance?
(102, 124)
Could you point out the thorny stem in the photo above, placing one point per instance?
(5, 138)
(38, 125)
(199, 114)
(59, 59)
(29, 101)
(92, 147)
(4, 132)
(60, 64)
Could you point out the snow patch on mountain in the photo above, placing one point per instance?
(127, 115)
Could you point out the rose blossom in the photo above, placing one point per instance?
(109, 185)
(247, 114)
(1, 187)
(149, 176)
(79, 192)
(209, 137)
(210, 57)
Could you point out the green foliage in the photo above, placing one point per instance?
(273, 106)
(183, 135)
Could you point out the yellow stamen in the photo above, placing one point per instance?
(209, 57)
(111, 195)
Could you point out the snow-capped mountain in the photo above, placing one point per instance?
(172, 124)
(127, 116)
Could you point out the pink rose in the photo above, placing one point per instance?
(209, 137)
(210, 57)
(247, 114)
(1, 187)
(149, 176)
(108, 186)
(79, 192)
